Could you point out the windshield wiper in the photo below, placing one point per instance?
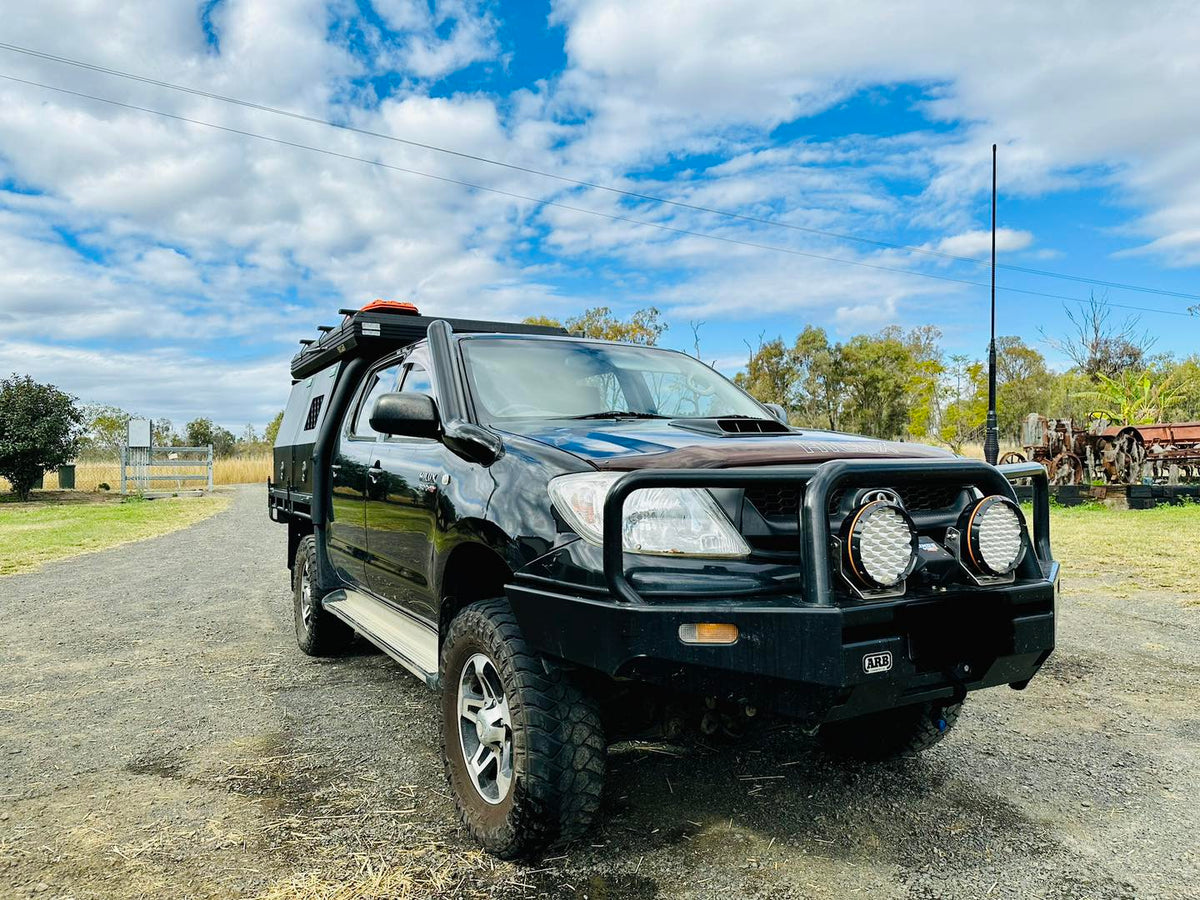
(619, 414)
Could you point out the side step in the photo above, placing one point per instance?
(411, 643)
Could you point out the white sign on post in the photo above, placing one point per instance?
(139, 433)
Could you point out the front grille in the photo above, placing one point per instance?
(918, 496)
(929, 495)
(775, 501)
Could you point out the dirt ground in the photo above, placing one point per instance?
(161, 736)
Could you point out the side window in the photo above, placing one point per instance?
(381, 381)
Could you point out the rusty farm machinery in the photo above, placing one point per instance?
(1127, 454)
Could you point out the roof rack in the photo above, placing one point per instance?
(384, 325)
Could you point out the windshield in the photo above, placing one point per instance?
(558, 379)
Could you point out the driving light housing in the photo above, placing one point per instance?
(993, 532)
(659, 521)
(879, 545)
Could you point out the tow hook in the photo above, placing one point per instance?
(957, 676)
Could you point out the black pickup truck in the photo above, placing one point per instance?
(579, 541)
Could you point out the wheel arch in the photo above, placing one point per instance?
(472, 571)
(298, 530)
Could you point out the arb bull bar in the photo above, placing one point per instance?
(806, 655)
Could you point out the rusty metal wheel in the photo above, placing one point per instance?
(1012, 456)
(1130, 456)
(1066, 468)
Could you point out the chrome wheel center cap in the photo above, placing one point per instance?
(489, 726)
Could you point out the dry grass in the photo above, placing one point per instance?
(975, 451)
(234, 470)
(427, 870)
(243, 469)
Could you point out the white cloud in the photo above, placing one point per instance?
(422, 52)
(160, 382)
(1113, 95)
(186, 234)
(977, 244)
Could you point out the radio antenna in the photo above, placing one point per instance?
(991, 441)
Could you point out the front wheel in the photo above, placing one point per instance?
(524, 748)
(891, 732)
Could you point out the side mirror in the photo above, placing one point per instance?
(778, 411)
(406, 415)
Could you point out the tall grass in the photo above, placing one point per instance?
(243, 469)
(89, 475)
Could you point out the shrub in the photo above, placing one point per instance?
(40, 428)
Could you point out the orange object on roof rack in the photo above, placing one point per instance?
(397, 306)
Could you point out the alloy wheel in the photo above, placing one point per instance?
(485, 729)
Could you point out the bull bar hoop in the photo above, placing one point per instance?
(819, 482)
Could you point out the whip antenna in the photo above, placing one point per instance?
(991, 441)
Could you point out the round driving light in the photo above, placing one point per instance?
(994, 532)
(880, 544)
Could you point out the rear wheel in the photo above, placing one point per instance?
(524, 747)
(891, 732)
(318, 632)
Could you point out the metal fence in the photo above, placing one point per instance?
(142, 469)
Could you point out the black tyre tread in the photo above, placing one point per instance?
(891, 733)
(559, 794)
(327, 635)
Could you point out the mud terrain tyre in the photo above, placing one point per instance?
(318, 632)
(890, 733)
(524, 748)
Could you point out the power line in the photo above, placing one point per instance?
(565, 206)
(635, 195)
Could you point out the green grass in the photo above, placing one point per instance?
(1134, 549)
(32, 534)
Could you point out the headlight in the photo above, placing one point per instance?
(665, 521)
(993, 530)
(879, 544)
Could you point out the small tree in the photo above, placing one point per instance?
(644, 327)
(1097, 344)
(1134, 398)
(202, 432)
(272, 431)
(770, 374)
(105, 429)
(39, 430)
(966, 411)
(164, 433)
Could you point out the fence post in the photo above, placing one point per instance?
(210, 468)
(123, 449)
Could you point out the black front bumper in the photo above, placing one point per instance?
(804, 661)
(808, 656)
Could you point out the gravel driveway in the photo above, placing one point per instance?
(161, 736)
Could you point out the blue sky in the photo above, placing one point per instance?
(170, 268)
